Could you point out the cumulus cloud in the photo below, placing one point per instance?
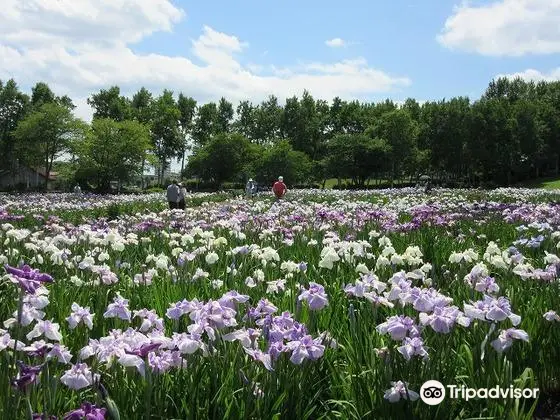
(335, 43)
(534, 75)
(504, 28)
(80, 46)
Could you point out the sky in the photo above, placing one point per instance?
(368, 50)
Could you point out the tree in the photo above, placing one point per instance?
(112, 151)
(187, 110)
(206, 124)
(399, 130)
(41, 94)
(246, 121)
(225, 157)
(225, 115)
(142, 106)
(492, 144)
(47, 133)
(356, 156)
(142, 109)
(166, 134)
(110, 104)
(14, 106)
(268, 116)
(281, 159)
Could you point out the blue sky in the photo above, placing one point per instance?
(247, 49)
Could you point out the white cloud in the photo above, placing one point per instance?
(534, 75)
(81, 46)
(335, 43)
(504, 28)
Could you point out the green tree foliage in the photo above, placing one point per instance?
(281, 159)
(357, 157)
(223, 158)
(206, 124)
(45, 134)
(399, 130)
(511, 134)
(187, 110)
(167, 139)
(112, 151)
(108, 103)
(14, 105)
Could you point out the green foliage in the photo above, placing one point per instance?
(46, 133)
(166, 134)
(511, 134)
(110, 104)
(112, 151)
(14, 105)
(356, 156)
(281, 160)
(222, 158)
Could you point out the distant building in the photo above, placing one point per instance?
(24, 177)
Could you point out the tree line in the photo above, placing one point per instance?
(510, 134)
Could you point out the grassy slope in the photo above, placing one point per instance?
(546, 183)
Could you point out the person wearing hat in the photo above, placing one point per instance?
(250, 188)
(279, 188)
(182, 196)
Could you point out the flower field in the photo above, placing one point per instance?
(325, 305)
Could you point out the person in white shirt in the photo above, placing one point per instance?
(182, 196)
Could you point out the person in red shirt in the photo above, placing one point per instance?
(279, 188)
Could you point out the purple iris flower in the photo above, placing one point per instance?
(413, 347)
(315, 296)
(87, 410)
(27, 375)
(398, 327)
(145, 349)
(306, 348)
(27, 278)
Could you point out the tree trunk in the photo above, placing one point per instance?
(142, 173)
(47, 173)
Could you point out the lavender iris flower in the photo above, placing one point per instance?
(492, 309)
(413, 347)
(506, 337)
(398, 391)
(315, 296)
(398, 327)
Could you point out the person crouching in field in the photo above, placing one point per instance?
(279, 188)
(250, 188)
(173, 195)
(182, 196)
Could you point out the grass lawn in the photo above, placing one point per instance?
(546, 183)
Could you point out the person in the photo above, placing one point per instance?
(279, 188)
(428, 187)
(77, 190)
(173, 195)
(182, 196)
(250, 188)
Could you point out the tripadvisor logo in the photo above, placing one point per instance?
(434, 392)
